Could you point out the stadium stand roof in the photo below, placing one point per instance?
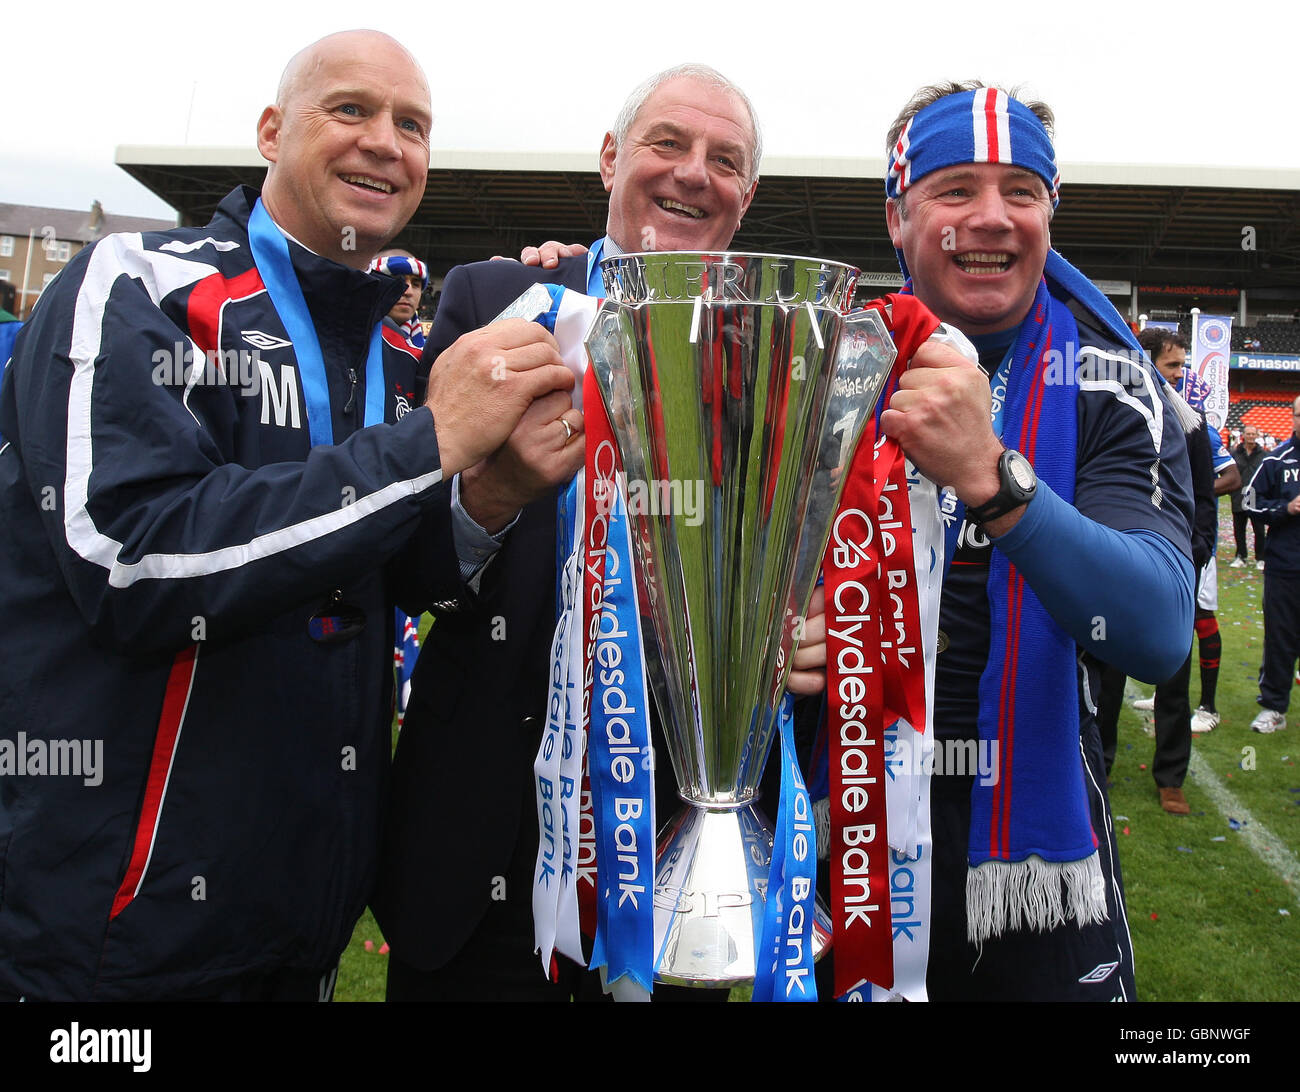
(1221, 229)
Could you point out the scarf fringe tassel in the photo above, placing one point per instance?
(1187, 417)
(1033, 894)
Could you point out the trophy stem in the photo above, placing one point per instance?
(711, 895)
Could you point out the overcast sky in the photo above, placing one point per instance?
(1214, 84)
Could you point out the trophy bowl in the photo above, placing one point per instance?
(736, 388)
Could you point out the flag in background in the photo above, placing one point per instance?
(1208, 362)
(405, 651)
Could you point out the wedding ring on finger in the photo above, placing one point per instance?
(568, 430)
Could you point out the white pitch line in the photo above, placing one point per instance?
(1261, 841)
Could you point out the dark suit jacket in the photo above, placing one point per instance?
(1205, 521)
(462, 775)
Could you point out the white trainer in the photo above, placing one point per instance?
(1269, 721)
(1259, 565)
(1237, 563)
(1145, 705)
(1204, 720)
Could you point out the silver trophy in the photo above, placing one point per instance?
(735, 380)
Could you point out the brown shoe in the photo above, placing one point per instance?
(1174, 802)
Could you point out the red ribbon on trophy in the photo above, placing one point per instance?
(595, 533)
(875, 672)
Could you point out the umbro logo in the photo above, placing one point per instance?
(258, 340)
(1100, 973)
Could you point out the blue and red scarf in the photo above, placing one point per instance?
(1032, 851)
(1031, 839)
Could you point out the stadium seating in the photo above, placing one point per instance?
(1278, 337)
(1275, 335)
(1268, 411)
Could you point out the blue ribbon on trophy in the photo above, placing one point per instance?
(785, 971)
(618, 733)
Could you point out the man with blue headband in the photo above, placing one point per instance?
(404, 318)
(1067, 533)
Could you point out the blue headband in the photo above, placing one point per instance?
(986, 126)
(982, 126)
(399, 265)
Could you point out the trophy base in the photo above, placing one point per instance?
(710, 896)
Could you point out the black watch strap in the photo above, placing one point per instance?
(1019, 484)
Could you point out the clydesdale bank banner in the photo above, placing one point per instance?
(1208, 360)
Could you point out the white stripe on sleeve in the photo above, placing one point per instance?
(161, 274)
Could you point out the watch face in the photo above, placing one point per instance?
(1021, 471)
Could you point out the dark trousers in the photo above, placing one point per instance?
(1067, 963)
(1109, 700)
(285, 984)
(497, 962)
(281, 986)
(1173, 723)
(1173, 729)
(1239, 529)
(1281, 638)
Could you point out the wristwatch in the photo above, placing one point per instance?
(1019, 484)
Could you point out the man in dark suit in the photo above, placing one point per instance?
(454, 900)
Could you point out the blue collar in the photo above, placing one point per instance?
(271, 256)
